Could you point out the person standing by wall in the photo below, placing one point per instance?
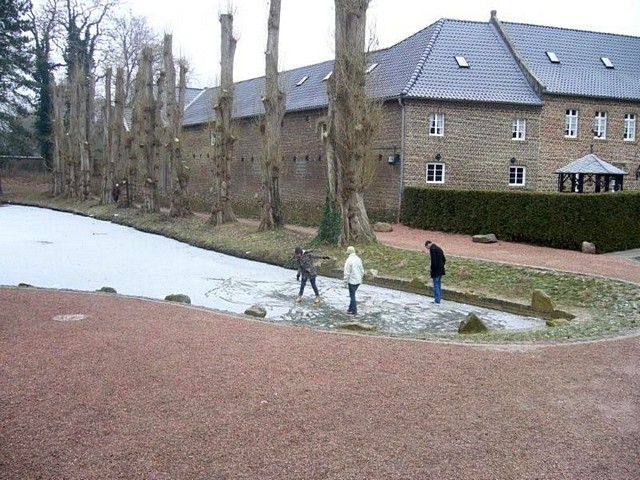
(353, 273)
(438, 261)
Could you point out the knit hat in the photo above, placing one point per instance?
(350, 250)
(298, 250)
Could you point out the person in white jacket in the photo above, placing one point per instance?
(353, 273)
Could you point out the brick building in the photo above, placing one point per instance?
(478, 105)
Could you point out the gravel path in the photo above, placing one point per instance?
(152, 390)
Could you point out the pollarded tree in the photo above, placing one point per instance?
(221, 211)
(274, 107)
(351, 123)
(173, 132)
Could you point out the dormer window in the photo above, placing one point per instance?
(302, 80)
(371, 68)
(607, 62)
(553, 57)
(462, 62)
(327, 76)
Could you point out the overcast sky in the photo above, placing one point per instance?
(306, 25)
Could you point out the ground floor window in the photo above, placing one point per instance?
(517, 176)
(435, 172)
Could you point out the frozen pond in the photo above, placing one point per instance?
(45, 248)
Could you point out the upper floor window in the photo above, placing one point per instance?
(600, 125)
(519, 129)
(517, 176)
(435, 172)
(629, 134)
(212, 137)
(436, 124)
(571, 123)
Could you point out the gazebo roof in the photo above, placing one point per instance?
(592, 164)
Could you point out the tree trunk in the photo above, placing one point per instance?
(143, 135)
(274, 107)
(350, 131)
(178, 178)
(118, 138)
(59, 141)
(221, 211)
(87, 114)
(108, 163)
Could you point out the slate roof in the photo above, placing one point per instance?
(423, 66)
(580, 71)
(593, 164)
(492, 76)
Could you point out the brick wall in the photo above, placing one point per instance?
(477, 150)
(557, 151)
(476, 147)
(303, 179)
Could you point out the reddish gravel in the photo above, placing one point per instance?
(151, 390)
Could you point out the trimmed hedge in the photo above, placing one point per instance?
(560, 220)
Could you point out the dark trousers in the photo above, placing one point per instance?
(312, 281)
(353, 307)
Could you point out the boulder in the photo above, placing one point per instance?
(178, 297)
(558, 322)
(370, 274)
(541, 302)
(357, 327)
(256, 311)
(485, 238)
(472, 324)
(382, 227)
(107, 290)
(588, 247)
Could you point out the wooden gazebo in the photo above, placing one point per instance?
(590, 173)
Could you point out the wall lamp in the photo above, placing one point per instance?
(512, 160)
(438, 157)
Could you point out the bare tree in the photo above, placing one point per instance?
(274, 107)
(179, 177)
(60, 143)
(108, 163)
(350, 127)
(221, 211)
(143, 131)
(125, 39)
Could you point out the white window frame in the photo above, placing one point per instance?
(438, 172)
(323, 131)
(519, 179)
(519, 129)
(436, 124)
(212, 137)
(571, 123)
(629, 134)
(600, 125)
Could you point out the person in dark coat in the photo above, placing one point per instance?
(436, 269)
(307, 270)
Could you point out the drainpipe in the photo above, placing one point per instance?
(402, 145)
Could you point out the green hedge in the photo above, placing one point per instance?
(560, 220)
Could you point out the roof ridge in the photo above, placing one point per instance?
(425, 55)
(581, 30)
